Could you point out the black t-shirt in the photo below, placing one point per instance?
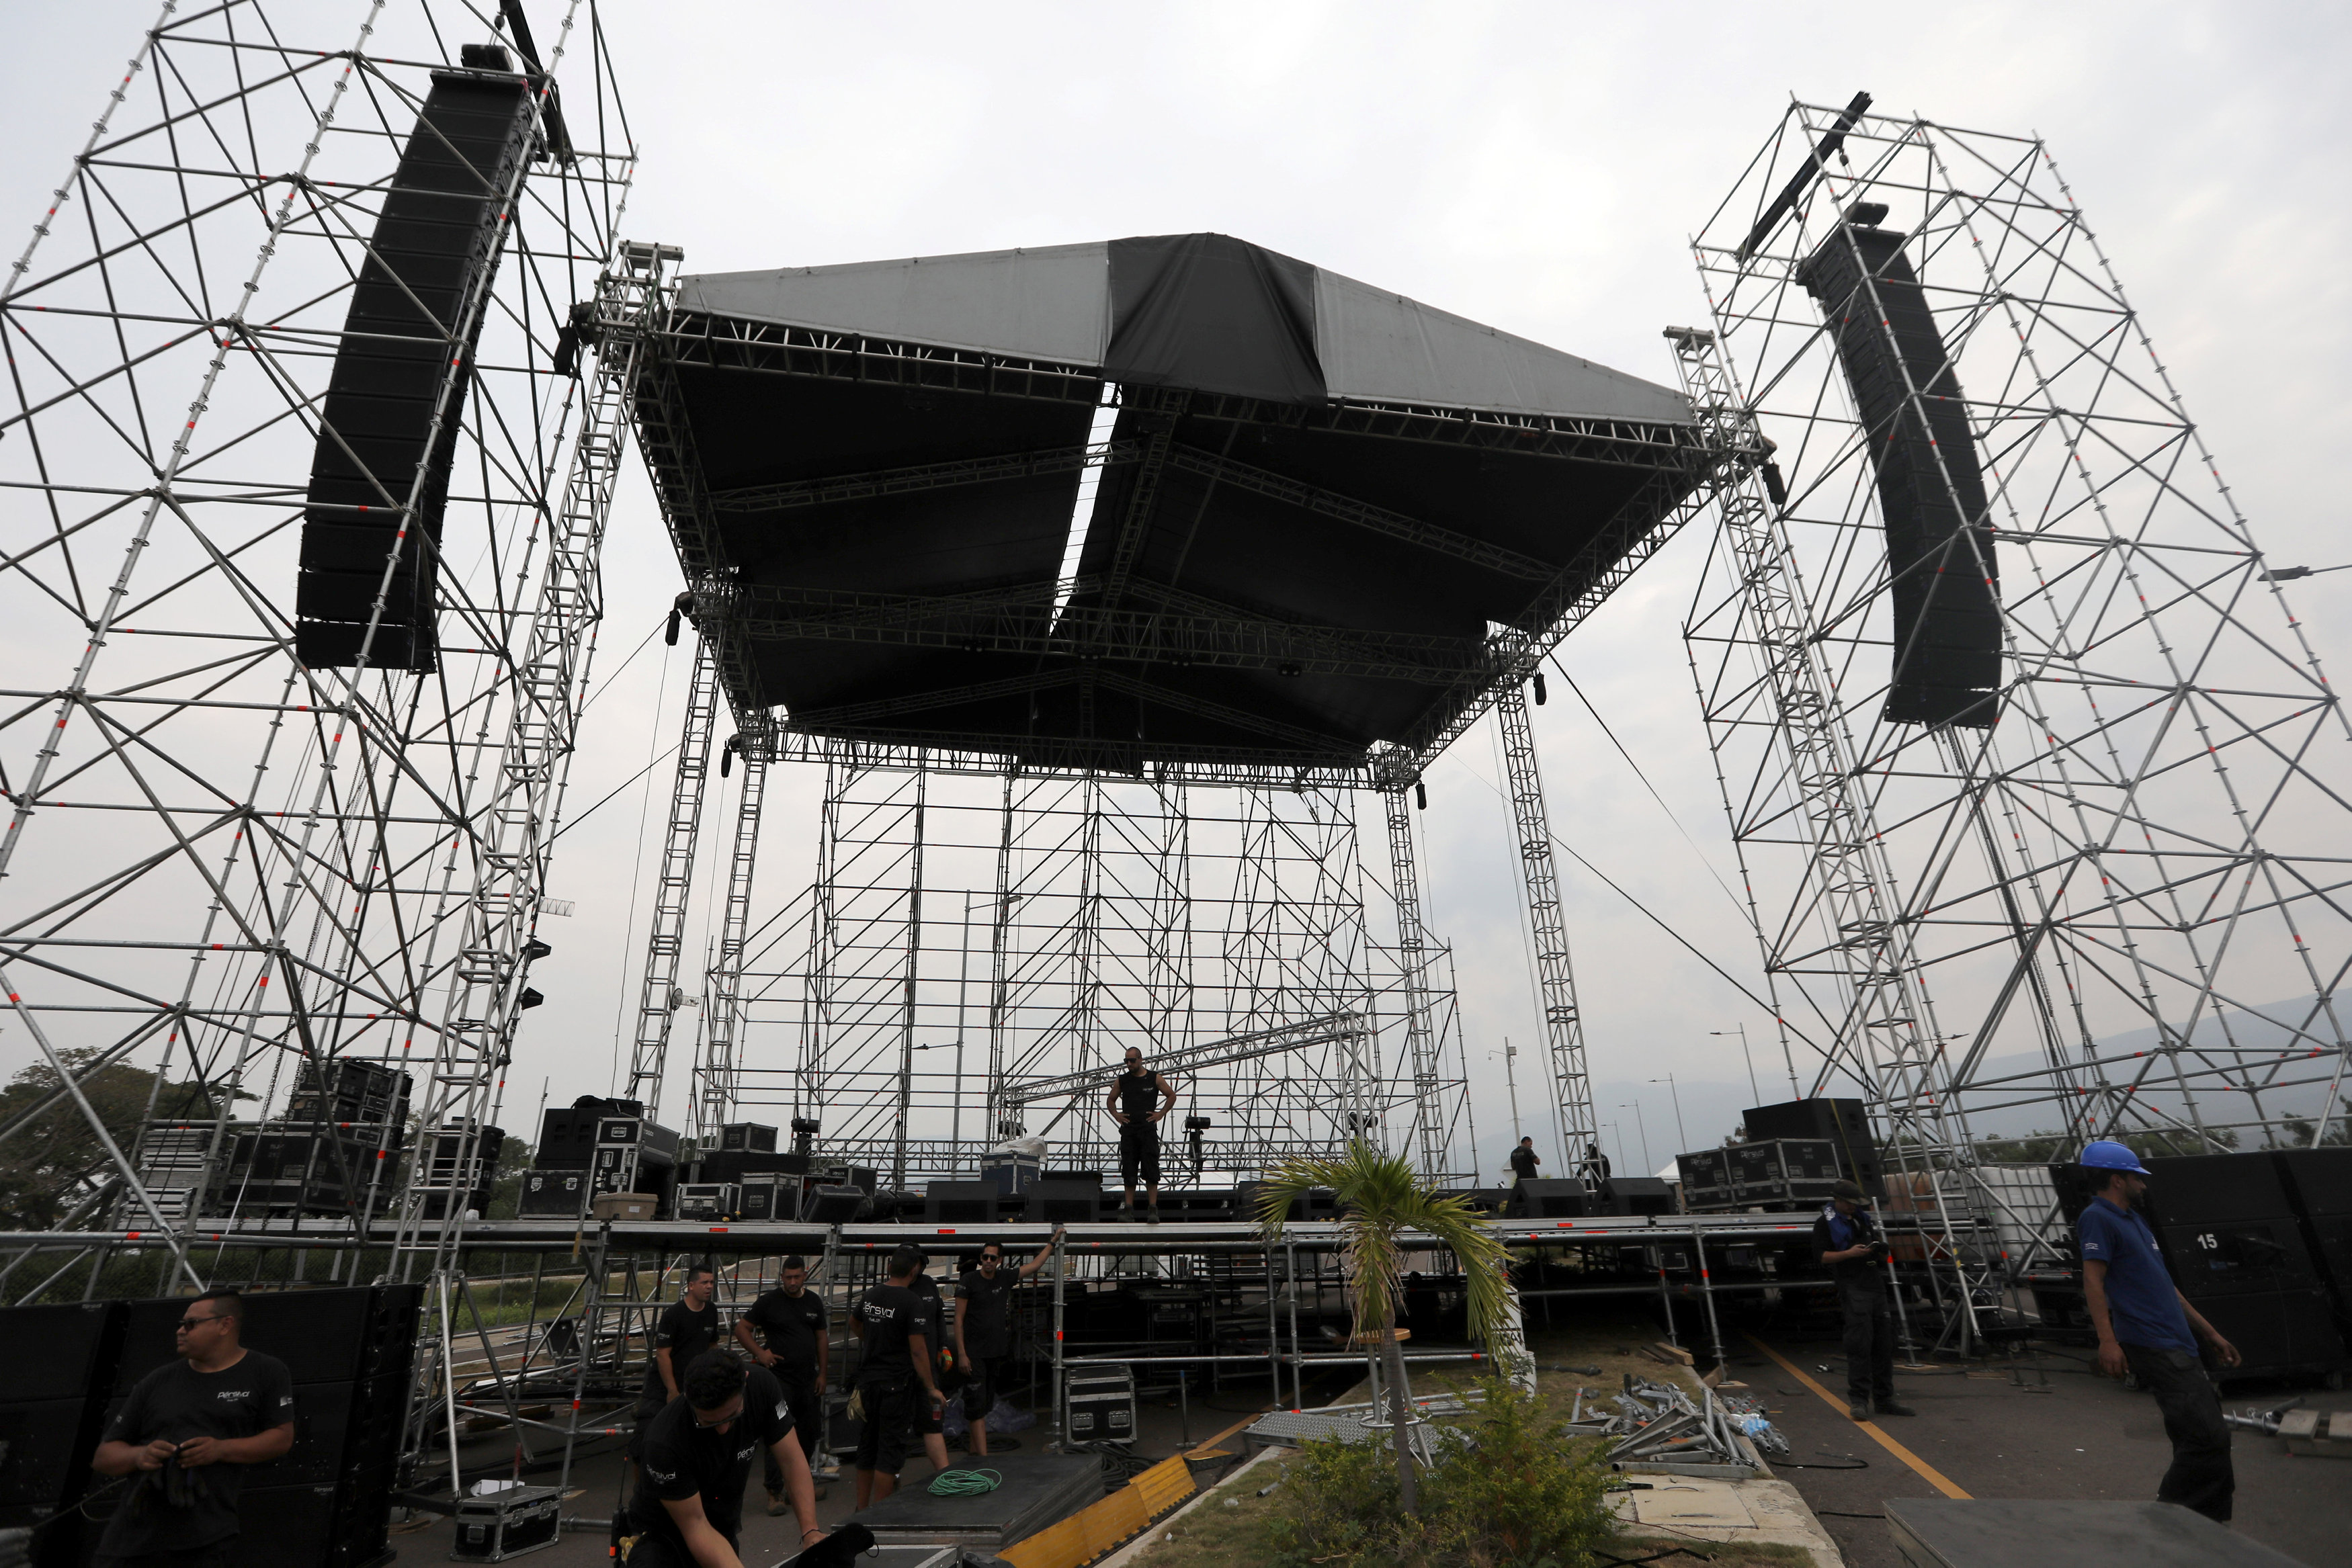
(177, 1402)
(1524, 1163)
(685, 1333)
(988, 1310)
(935, 1312)
(890, 1312)
(794, 1328)
(1138, 1096)
(680, 1457)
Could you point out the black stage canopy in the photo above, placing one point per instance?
(1329, 519)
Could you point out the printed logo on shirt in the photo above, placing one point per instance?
(665, 1477)
(743, 1455)
(230, 1396)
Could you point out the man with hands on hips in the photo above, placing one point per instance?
(1139, 1101)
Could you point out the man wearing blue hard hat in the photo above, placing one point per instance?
(2145, 1327)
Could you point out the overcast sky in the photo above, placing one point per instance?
(1535, 167)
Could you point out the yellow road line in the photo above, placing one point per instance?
(1926, 1471)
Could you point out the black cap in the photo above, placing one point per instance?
(1849, 1191)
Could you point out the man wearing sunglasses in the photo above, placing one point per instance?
(184, 1438)
(983, 1330)
(695, 1460)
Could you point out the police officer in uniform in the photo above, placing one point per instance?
(1847, 1239)
(2145, 1325)
(695, 1457)
(184, 1438)
(1140, 1099)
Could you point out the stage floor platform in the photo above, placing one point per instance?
(1038, 1489)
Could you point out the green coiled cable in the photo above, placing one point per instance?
(965, 1483)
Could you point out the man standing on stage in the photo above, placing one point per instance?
(1139, 1100)
(983, 1330)
(188, 1431)
(1524, 1162)
(793, 1322)
(2145, 1325)
(1846, 1238)
(894, 1369)
(687, 1508)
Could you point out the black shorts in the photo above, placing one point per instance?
(888, 1404)
(985, 1372)
(1138, 1154)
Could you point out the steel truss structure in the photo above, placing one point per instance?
(977, 951)
(2117, 907)
(222, 860)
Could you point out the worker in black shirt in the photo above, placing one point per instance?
(1139, 1100)
(687, 1327)
(935, 1334)
(1847, 1239)
(1595, 1169)
(894, 1369)
(984, 1329)
(1524, 1161)
(687, 1510)
(184, 1438)
(797, 1328)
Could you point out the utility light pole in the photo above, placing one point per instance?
(1647, 1168)
(1752, 1089)
(1679, 1130)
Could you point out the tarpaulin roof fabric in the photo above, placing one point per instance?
(1328, 519)
(1205, 311)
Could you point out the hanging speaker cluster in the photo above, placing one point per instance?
(1931, 493)
(388, 426)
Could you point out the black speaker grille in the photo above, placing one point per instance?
(404, 359)
(2198, 1189)
(1930, 486)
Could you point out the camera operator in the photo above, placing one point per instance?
(190, 1428)
(1847, 1239)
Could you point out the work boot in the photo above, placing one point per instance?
(1888, 1407)
(1151, 1215)
(777, 1506)
(1858, 1409)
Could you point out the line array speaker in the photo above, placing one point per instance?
(1931, 493)
(388, 428)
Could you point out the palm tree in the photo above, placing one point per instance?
(1379, 1201)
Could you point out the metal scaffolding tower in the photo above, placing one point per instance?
(2102, 902)
(722, 994)
(1441, 1099)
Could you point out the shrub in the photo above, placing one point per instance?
(1507, 1489)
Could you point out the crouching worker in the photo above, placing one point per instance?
(696, 1458)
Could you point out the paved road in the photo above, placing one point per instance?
(2083, 1437)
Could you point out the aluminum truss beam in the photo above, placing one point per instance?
(1333, 1030)
(1555, 975)
(722, 998)
(660, 997)
(1437, 1099)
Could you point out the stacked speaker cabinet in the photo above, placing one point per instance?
(1844, 1122)
(2318, 1184)
(396, 398)
(2236, 1248)
(50, 1424)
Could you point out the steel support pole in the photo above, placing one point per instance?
(1431, 1119)
(673, 890)
(722, 1022)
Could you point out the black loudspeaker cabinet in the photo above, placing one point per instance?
(2278, 1332)
(959, 1203)
(1246, 1204)
(336, 1335)
(45, 1451)
(70, 1344)
(2073, 1184)
(2318, 1181)
(567, 1138)
(1061, 1202)
(1844, 1122)
(827, 1204)
(1548, 1198)
(2237, 1257)
(1637, 1195)
(2197, 1189)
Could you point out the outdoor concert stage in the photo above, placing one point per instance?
(1330, 519)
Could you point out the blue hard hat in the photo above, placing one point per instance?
(2106, 1155)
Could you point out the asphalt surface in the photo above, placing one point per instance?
(2077, 1435)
